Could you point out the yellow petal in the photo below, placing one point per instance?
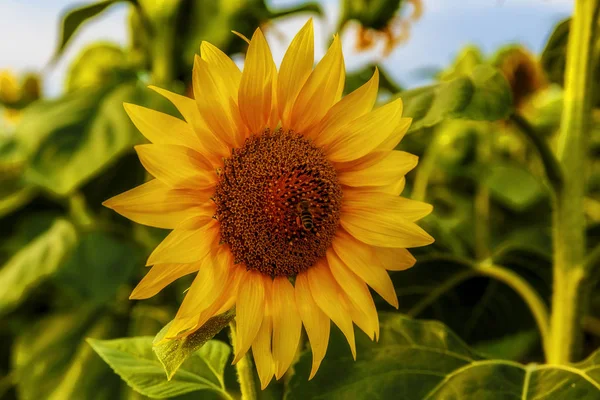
(206, 295)
(361, 259)
(366, 133)
(161, 128)
(256, 86)
(351, 107)
(315, 321)
(185, 246)
(159, 277)
(261, 347)
(250, 311)
(230, 74)
(392, 141)
(395, 188)
(394, 259)
(286, 325)
(211, 146)
(156, 204)
(328, 296)
(357, 294)
(321, 90)
(388, 170)
(384, 206)
(177, 166)
(194, 302)
(373, 228)
(218, 109)
(295, 68)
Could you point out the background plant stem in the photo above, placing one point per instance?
(243, 369)
(569, 221)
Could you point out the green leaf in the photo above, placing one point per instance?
(74, 18)
(173, 353)
(96, 65)
(513, 185)
(71, 139)
(136, 363)
(465, 62)
(13, 192)
(35, 262)
(99, 265)
(484, 95)
(553, 56)
(424, 360)
(53, 361)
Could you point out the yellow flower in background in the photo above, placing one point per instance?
(283, 198)
(15, 95)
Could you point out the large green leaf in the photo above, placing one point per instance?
(53, 361)
(136, 363)
(99, 265)
(513, 185)
(172, 353)
(423, 360)
(74, 18)
(35, 262)
(483, 95)
(71, 139)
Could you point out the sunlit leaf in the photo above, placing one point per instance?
(54, 362)
(173, 353)
(74, 18)
(99, 265)
(35, 262)
(95, 66)
(136, 363)
(484, 95)
(424, 360)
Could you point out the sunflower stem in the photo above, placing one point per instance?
(243, 369)
(482, 199)
(569, 219)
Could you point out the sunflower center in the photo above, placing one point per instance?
(278, 203)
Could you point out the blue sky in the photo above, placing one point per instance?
(29, 32)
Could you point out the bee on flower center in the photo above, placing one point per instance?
(305, 217)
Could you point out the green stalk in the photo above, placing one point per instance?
(243, 369)
(164, 31)
(482, 198)
(569, 221)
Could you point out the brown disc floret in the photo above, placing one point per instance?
(278, 203)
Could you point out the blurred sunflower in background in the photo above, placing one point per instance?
(282, 197)
(15, 94)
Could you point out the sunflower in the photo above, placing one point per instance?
(283, 199)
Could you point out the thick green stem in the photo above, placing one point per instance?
(244, 370)
(569, 220)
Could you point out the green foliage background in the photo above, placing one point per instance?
(67, 265)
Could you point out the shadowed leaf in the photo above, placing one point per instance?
(424, 360)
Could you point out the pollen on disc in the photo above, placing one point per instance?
(278, 203)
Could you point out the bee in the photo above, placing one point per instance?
(305, 219)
